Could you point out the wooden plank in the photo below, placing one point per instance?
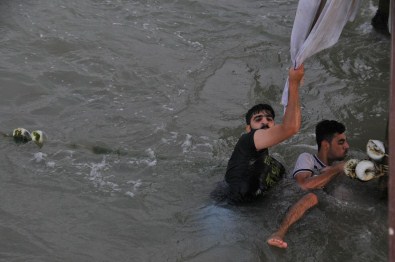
(391, 143)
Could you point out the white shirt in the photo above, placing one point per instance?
(308, 163)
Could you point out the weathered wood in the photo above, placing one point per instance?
(391, 143)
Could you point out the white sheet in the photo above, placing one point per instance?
(308, 38)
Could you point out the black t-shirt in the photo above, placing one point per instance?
(240, 167)
(250, 171)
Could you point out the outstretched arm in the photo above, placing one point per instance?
(306, 181)
(291, 123)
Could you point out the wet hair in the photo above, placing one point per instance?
(257, 109)
(326, 130)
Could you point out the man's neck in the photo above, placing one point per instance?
(323, 156)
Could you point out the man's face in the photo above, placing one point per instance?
(338, 147)
(262, 120)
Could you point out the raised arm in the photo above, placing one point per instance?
(290, 125)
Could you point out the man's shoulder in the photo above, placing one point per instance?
(304, 163)
(251, 133)
(305, 156)
(247, 138)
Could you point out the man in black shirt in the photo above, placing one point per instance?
(251, 170)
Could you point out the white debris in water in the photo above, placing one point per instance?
(172, 139)
(194, 44)
(99, 179)
(39, 157)
(174, 135)
(160, 127)
(136, 185)
(186, 146)
(168, 108)
(152, 157)
(151, 161)
(150, 152)
(51, 164)
(128, 193)
(307, 146)
(391, 231)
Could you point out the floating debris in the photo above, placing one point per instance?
(371, 168)
(365, 170)
(38, 137)
(349, 168)
(21, 135)
(375, 149)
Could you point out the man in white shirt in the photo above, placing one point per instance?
(314, 172)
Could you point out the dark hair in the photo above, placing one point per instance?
(326, 130)
(257, 109)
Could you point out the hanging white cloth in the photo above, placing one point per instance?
(317, 25)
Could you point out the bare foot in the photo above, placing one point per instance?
(277, 241)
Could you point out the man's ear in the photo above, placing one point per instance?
(325, 144)
(248, 128)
